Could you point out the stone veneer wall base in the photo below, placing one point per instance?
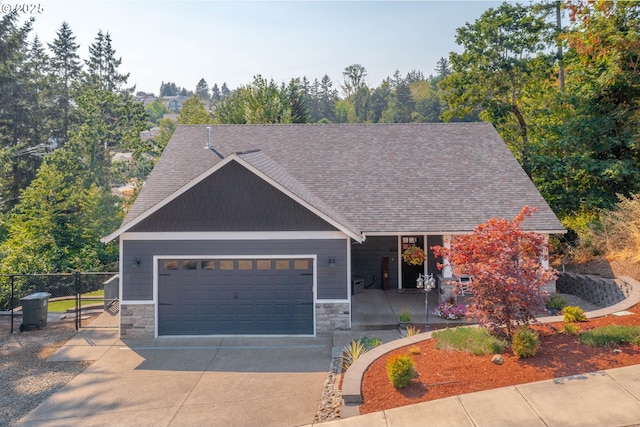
(334, 316)
(137, 320)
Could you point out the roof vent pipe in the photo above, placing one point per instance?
(209, 146)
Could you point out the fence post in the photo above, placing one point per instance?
(12, 299)
(78, 302)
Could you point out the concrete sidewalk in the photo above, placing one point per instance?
(605, 398)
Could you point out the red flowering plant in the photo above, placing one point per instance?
(414, 255)
(504, 261)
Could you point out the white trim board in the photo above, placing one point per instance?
(237, 235)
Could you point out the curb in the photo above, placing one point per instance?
(352, 381)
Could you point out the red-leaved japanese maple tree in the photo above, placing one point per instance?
(505, 262)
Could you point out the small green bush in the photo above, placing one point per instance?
(571, 329)
(370, 342)
(573, 313)
(477, 341)
(556, 302)
(405, 316)
(400, 370)
(612, 335)
(525, 342)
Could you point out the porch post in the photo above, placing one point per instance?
(544, 255)
(447, 271)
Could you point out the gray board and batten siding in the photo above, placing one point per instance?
(232, 199)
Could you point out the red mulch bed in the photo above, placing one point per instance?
(448, 373)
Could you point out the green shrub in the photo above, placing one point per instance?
(477, 341)
(400, 370)
(571, 329)
(556, 302)
(371, 342)
(351, 352)
(405, 316)
(573, 313)
(525, 342)
(612, 335)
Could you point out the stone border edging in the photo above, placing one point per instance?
(352, 381)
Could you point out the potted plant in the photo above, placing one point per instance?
(404, 320)
(414, 256)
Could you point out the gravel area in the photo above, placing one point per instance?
(26, 378)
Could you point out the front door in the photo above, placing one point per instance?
(410, 272)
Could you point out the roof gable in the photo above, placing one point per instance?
(245, 192)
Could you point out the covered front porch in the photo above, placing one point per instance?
(375, 309)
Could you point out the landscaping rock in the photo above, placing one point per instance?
(497, 359)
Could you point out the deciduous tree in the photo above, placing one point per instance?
(193, 112)
(505, 262)
(505, 54)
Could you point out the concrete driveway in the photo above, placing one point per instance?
(188, 382)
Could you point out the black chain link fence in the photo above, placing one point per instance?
(62, 287)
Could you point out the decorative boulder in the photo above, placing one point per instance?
(497, 359)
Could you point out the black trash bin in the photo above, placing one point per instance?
(35, 308)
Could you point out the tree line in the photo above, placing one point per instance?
(564, 97)
(61, 120)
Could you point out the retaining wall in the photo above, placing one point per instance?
(597, 290)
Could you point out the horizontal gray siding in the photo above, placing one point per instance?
(138, 280)
(233, 199)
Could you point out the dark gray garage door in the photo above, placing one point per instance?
(235, 296)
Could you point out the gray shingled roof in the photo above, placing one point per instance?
(265, 164)
(378, 178)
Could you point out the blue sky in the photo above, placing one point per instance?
(184, 41)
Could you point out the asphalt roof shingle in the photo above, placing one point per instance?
(378, 178)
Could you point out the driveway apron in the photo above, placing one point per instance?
(213, 381)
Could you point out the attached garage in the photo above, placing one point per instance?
(211, 296)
